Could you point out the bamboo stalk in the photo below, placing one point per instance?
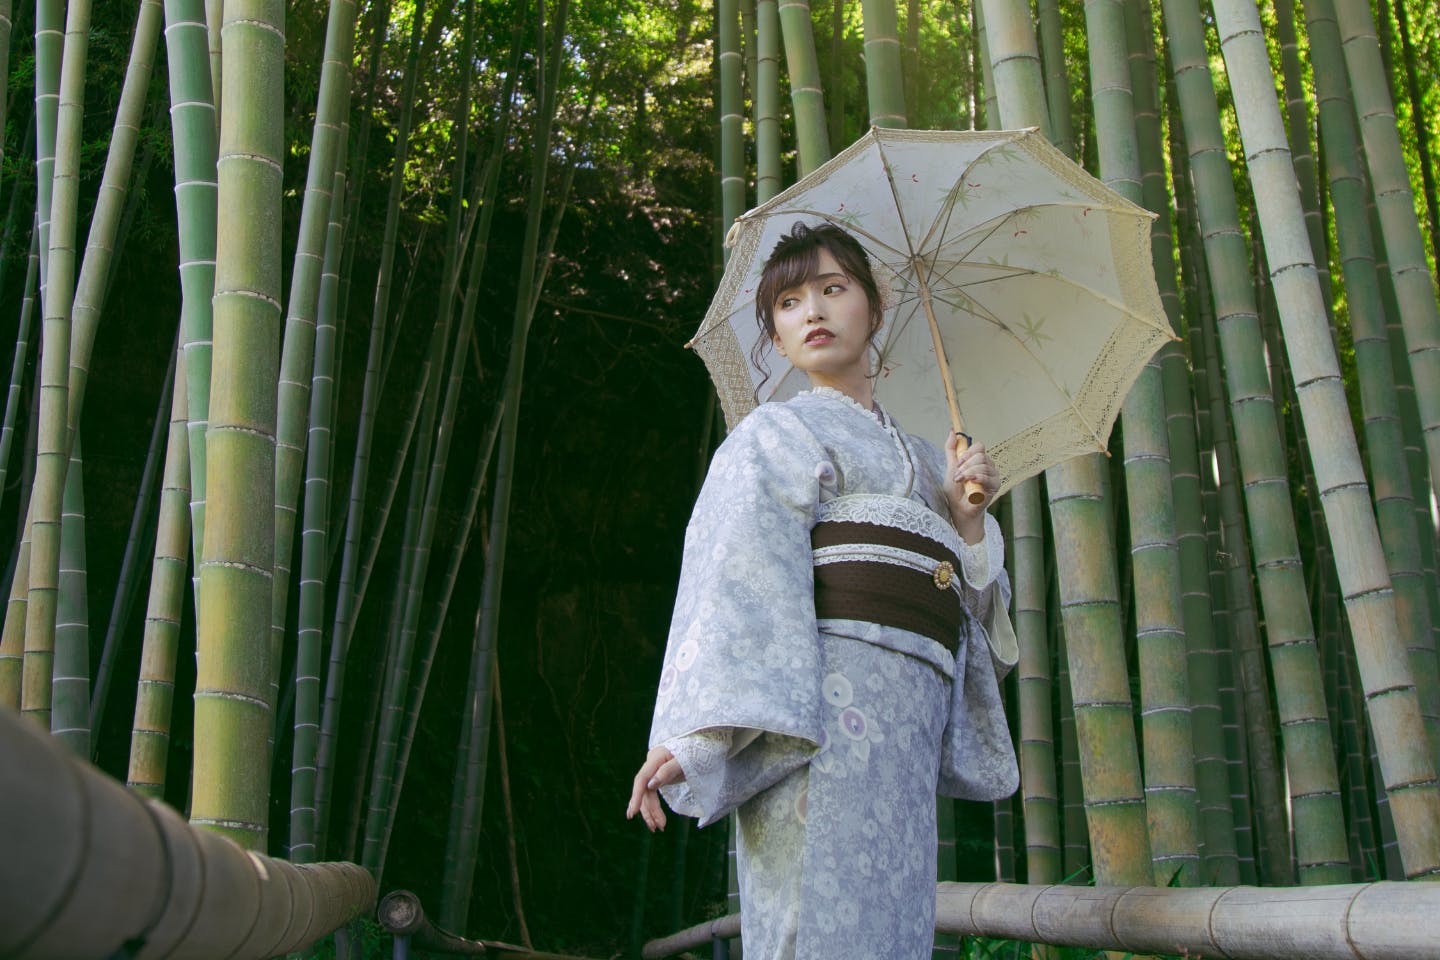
(92, 869)
(155, 692)
(1378, 921)
(234, 681)
(806, 97)
(883, 80)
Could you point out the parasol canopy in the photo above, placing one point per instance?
(1038, 277)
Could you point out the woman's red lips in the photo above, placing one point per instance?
(817, 333)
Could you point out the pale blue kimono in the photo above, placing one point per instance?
(831, 737)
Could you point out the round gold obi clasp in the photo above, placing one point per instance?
(943, 574)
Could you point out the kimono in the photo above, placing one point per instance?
(831, 737)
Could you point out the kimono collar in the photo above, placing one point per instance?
(876, 413)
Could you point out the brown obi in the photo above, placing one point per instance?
(926, 602)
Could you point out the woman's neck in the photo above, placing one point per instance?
(858, 388)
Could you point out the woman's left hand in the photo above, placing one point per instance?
(964, 464)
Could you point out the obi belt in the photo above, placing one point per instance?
(893, 561)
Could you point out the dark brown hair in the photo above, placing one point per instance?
(794, 261)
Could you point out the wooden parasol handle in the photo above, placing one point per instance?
(974, 492)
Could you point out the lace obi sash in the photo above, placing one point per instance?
(889, 560)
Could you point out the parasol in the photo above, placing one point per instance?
(1021, 301)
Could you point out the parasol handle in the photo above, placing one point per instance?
(974, 492)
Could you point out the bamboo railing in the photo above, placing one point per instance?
(1357, 921)
(89, 869)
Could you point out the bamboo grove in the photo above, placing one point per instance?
(373, 345)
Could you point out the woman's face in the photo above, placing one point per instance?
(823, 325)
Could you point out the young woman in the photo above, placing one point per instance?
(838, 634)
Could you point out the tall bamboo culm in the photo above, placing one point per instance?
(1318, 820)
(52, 447)
(297, 370)
(1085, 555)
(882, 64)
(155, 691)
(233, 684)
(803, 68)
(1216, 822)
(1155, 561)
(193, 126)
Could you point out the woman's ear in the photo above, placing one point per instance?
(779, 344)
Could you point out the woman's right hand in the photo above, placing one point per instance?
(659, 769)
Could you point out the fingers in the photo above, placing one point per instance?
(975, 464)
(659, 769)
(653, 813)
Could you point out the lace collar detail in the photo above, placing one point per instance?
(876, 413)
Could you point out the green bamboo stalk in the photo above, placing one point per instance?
(97, 265)
(297, 356)
(1406, 759)
(988, 116)
(233, 684)
(1216, 823)
(315, 554)
(1419, 120)
(214, 19)
(1226, 558)
(70, 686)
(342, 632)
(22, 354)
(1037, 742)
(12, 640)
(52, 448)
(125, 583)
(1057, 78)
(1243, 685)
(1155, 559)
(379, 21)
(383, 795)
(193, 125)
(732, 107)
(806, 97)
(49, 50)
(305, 825)
(1002, 814)
(1085, 555)
(1298, 125)
(766, 96)
(883, 80)
(488, 619)
(1404, 245)
(1314, 784)
(154, 695)
(1384, 441)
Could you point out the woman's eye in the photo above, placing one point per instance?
(786, 303)
(834, 288)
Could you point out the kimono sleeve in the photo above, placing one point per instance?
(743, 650)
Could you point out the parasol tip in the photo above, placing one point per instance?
(689, 344)
(732, 236)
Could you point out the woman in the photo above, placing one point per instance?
(838, 633)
